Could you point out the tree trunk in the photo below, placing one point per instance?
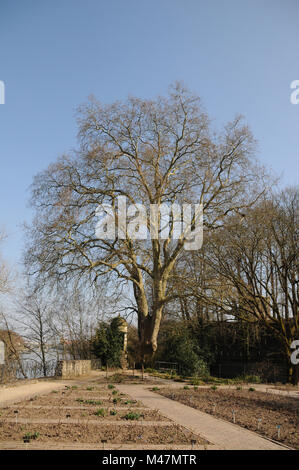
(293, 373)
(148, 327)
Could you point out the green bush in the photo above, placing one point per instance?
(178, 346)
(107, 343)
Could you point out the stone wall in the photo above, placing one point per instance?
(68, 369)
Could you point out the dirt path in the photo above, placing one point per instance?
(23, 392)
(222, 434)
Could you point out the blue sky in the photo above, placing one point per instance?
(239, 56)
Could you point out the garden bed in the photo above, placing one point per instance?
(94, 412)
(91, 396)
(89, 433)
(257, 411)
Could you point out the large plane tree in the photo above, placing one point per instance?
(160, 151)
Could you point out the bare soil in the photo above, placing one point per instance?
(84, 413)
(57, 404)
(97, 396)
(88, 433)
(258, 411)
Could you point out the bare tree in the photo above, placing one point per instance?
(34, 311)
(14, 347)
(151, 152)
(77, 314)
(5, 272)
(256, 259)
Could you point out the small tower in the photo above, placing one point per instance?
(123, 328)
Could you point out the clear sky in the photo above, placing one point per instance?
(239, 56)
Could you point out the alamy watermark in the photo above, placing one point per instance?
(295, 354)
(163, 222)
(2, 92)
(294, 98)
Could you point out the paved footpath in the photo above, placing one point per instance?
(222, 434)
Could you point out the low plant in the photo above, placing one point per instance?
(101, 412)
(132, 416)
(195, 380)
(31, 435)
(251, 389)
(113, 412)
(178, 378)
(254, 379)
(110, 386)
(185, 387)
(155, 389)
(214, 387)
(89, 402)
